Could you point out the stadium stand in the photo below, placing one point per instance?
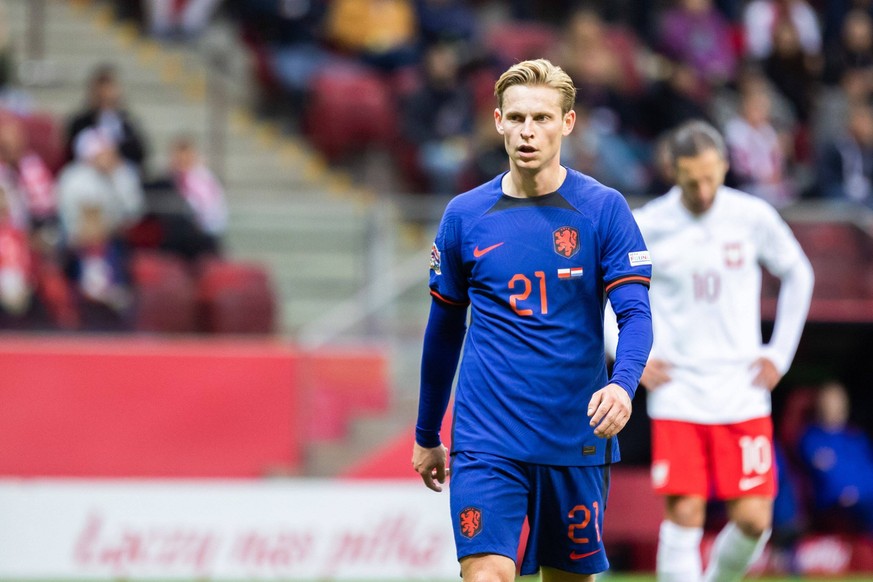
(314, 247)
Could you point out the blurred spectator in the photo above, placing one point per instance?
(286, 37)
(757, 152)
(595, 148)
(663, 177)
(182, 19)
(23, 170)
(438, 120)
(11, 97)
(186, 214)
(6, 63)
(104, 111)
(489, 154)
(99, 178)
(832, 109)
(793, 72)
(696, 33)
(199, 187)
(383, 33)
(16, 277)
(839, 457)
(854, 49)
(445, 20)
(602, 59)
(673, 99)
(845, 163)
(760, 20)
(726, 103)
(96, 264)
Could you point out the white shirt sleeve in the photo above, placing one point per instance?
(610, 331)
(781, 255)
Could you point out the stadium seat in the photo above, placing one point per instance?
(514, 41)
(235, 297)
(46, 138)
(165, 294)
(349, 109)
(835, 240)
(796, 414)
(55, 292)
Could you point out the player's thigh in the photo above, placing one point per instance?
(744, 465)
(488, 498)
(680, 458)
(487, 568)
(553, 575)
(752, 514)
(566, 520)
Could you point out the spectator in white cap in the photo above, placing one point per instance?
(99, 177)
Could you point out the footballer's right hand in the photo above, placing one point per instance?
(656, 373)
(431, 464)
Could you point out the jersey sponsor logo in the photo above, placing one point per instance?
(575, 556)
(477, 252)
(638, 258)
(566, 241)
(435, 259)
(747, 483)
(570, 273)
(733, 255)
(470, 521)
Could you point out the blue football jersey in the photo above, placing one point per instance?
(535, 273)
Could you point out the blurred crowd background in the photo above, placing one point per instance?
(102, 228)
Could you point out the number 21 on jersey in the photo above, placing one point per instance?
(523, 286)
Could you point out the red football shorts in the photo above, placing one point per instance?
(720, 461)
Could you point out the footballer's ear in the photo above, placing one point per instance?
(498, 120)
(569, 122)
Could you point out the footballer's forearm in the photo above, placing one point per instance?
(443, 339)
(634, 317)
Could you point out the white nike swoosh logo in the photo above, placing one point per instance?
(747, 483)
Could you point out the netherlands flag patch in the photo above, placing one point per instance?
(570, 273)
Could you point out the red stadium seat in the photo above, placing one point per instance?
(835, 240)
(349, 109)
(165, 294)
(235, 297)
(513, 42)
(796, 414)
(46, 139)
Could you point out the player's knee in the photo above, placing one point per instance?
(754, 526)
(488, 575)
(488, 568)
(686, 511)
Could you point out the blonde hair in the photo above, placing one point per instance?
(537, 72)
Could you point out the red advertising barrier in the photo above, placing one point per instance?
(133, 407)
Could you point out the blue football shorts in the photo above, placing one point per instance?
(492, 495)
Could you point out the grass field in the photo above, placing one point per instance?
(651, 578)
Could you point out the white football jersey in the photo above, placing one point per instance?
(705, 296)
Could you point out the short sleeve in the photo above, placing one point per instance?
(778, 249)
(624, 256)
(448, 282)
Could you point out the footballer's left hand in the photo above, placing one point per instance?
(609, 409)
(768, 376)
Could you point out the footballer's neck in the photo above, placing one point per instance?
(530, 183)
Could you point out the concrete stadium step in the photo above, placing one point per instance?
(330, 459)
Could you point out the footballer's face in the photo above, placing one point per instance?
(699, 177)
(532, 125)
